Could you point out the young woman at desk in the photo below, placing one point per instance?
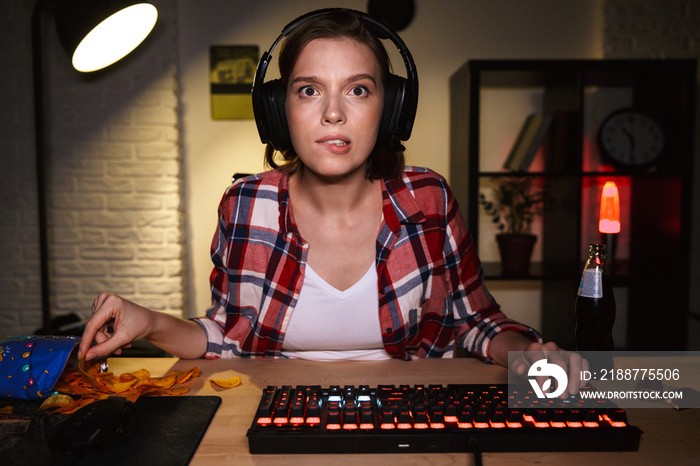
(339, 251)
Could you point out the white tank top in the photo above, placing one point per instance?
(329, 324)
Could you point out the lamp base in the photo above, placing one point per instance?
(610, 241)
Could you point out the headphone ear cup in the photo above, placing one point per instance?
(274, 96)
(391, 127)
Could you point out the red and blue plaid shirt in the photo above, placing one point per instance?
(430, 289)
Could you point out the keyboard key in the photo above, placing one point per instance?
(264, 415)
(498, 419)
(366, 418)
(591, 418)
(421, 419)
(514, 418)
(404, 419)
(616, 417)
(280, 413)
(558, 418)
(387, 420)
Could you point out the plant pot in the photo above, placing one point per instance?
(516, 253)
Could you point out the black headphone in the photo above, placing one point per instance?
(400, 94)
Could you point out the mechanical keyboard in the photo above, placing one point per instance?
(433, 418)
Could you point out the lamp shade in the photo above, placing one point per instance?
(98, 33)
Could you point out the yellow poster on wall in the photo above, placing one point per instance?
(232, 69)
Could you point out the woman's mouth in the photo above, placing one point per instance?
(336, 145)
(336, 142)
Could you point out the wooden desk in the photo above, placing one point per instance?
(669, 436)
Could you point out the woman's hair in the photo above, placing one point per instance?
(382, 162)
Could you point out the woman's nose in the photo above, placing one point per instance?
(333, 112)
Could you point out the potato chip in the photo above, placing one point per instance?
(7, 409)
(121, 387)
(56, 401)
(86, 382)
(82, 401)
(187, 375)
(226, 383)
(163, 382)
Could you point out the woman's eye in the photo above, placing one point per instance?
(307, 91)
(359, 91)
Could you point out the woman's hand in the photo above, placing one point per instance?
(572, 363)
(115, 323)
(530, 352)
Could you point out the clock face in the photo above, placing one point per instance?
(631, 139)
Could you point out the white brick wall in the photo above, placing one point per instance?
(115, 189)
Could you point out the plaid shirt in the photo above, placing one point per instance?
(430, 289)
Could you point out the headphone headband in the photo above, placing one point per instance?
(401, 94)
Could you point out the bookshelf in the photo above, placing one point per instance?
(490, 100)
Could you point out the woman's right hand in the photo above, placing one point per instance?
(128, 322)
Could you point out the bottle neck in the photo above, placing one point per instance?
(596, 257)
(597, 260)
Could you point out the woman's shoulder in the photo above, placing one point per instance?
(428, 189)
(261, 190)
(422, 178)
(255, 185)
(269, 178)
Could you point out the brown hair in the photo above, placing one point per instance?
(382, 162)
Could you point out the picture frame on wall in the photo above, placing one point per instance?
(232, 69)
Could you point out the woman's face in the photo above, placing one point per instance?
(334, 105)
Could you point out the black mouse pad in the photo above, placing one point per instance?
(169, 429)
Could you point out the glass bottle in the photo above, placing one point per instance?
(595, 304)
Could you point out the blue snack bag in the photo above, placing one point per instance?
(31, 365)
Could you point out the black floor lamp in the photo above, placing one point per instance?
(95, 34)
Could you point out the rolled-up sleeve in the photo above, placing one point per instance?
(213, 322)
(478, 317)
(215, 337)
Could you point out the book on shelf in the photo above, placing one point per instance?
(528, 142)
(560, 142)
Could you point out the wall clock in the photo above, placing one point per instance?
(629, 138)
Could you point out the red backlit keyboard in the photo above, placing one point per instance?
(434, 418)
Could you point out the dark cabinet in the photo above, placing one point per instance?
(650, 269)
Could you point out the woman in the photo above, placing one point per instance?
(339, 252)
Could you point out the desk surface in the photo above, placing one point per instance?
(669, 435)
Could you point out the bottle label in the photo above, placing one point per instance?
(591, 284)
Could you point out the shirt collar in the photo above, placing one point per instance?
(399, 208)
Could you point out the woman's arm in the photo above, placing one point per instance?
(507, 341)
(130, 322)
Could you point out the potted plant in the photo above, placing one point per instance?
(515, 204)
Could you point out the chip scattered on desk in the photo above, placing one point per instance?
(90, 385)
(57, 401)
(226, 383)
